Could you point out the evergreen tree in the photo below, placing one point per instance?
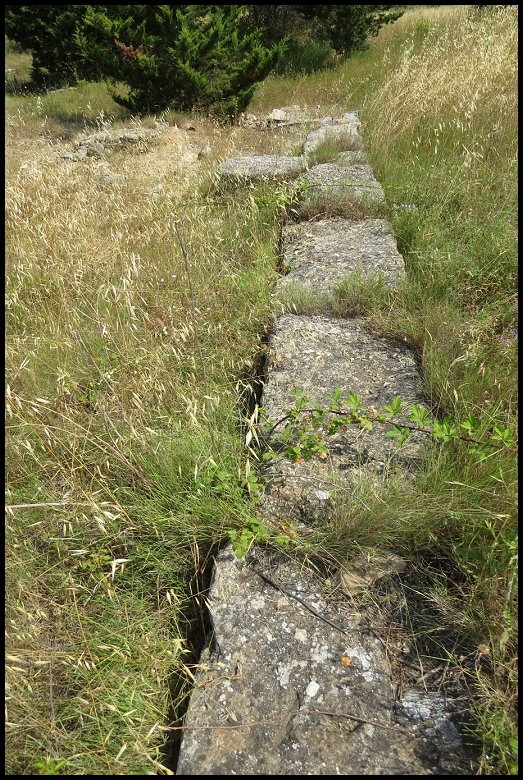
(349, 27)
(48, 31)
(186, 57)
(346, 27)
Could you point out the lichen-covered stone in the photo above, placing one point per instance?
(429, 714)
(273, 690)
(356, 180)
(278, 117)
(318, 255)
(318, 355)
(261, 166)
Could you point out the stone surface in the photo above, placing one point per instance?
(272, 671)
(96, 144)
(428, 714)
(262, 166)
(317, 355)
(333, 131)
(364, 570)
(355, 181)
(293, 680)
(278, 117)
(319, 254)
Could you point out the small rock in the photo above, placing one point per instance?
(72, 156)
(277, 115)
(106, 177)
(188, 126)
(362, 572)
(205, 150)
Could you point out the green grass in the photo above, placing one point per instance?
(118, 394)
(125, 459)
(328, 151)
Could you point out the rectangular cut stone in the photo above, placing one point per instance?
(320, 254)
(268, 671)
(356, 180)
(317, 355)
(330, 131)
(261, 166)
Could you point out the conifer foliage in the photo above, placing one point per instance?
(183, 57)
(48, 31)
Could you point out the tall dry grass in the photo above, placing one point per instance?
(122, 363)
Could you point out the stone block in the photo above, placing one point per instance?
(354, 182)
(320, 254)
(274, 688)
(262, 166)
(317, 355)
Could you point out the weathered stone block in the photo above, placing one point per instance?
(274, 669)
(96, 143)
(284, 673)
(317, 355)
(319, 254)
(330, 131)
(262, 166)
(355, 181)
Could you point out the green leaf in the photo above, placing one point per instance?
(472, 425)
(443, 430)
(419, 415)
(354, 401)
(502, 434)
(394, 407)
(336, 399)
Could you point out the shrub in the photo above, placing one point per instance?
(185, 57)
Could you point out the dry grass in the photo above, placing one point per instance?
(313, 204)
(117, 388)
(476, 90)
(329, 150)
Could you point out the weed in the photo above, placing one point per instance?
(302, 300)
(321, 203)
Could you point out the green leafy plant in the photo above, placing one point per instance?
(303, 427)
(243, 538)
(50, 766)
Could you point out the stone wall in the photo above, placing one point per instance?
(295, 681)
